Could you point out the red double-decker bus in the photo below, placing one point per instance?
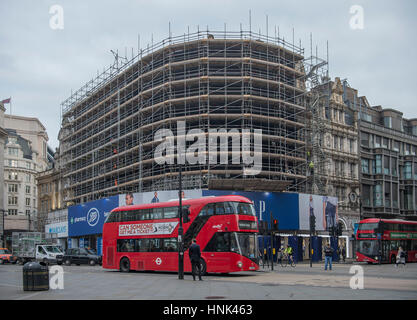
(379, 239)
(144, 237)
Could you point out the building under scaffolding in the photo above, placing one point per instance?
(210, 80)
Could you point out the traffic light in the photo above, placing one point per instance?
(339, 228)
(313, 223)
(185, 215)
(263, 227)
(275, 225)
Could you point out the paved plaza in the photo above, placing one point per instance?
(301, 282)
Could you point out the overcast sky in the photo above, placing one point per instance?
(39, 65)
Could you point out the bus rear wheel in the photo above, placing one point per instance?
(125, 265)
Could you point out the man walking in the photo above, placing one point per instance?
(328, 252)
(195, 256)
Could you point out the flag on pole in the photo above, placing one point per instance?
(6, 100)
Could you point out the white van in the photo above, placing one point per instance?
(48, 253)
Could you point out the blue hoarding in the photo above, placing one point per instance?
(88, 218)
(284, 206)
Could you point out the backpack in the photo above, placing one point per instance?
(402, 254)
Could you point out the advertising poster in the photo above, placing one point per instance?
(284, 206)
(88, 218)
(322, 207)
(156, 197)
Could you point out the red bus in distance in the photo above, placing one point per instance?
(395, 233)
(144, 237)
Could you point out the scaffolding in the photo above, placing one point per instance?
(210, 80)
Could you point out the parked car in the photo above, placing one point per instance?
(80, 256)
(7, 256)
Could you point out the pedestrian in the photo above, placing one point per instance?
(195, 257)
(400, 257)
(328, 256)
(344, 253)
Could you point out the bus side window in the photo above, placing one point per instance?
(157, 213)
(142, 245)
(171, 212)
(220, 208)
(228, 208)
(210, 209)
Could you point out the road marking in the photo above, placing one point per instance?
(29, 295)
(9, 285)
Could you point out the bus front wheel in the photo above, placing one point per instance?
(393, 259)
(125, 265)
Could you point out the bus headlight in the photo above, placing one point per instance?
(239, 264)
(376, 258)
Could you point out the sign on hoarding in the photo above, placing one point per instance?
(60, 228)
(88, 218)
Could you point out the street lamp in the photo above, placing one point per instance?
(2, 228)
(180, 230)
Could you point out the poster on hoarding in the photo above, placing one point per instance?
(282, 206)
(156, 197)
(322, 207)
(146, 229)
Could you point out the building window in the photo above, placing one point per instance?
(388, 122)
(13, 152)
(13, 163)
(27, 212)
(336, 144)
(352, 170)
(12, 200)
(377, 165)
(341, 144)
(394, 166)
(28, 201)
(378, 195)
(28, 177)
(386, 165)
(396, 146)
(365, 139)
(377, 142)
(366, 194)
(351, 145)
(365, 166)
(407, 170)
(12, 187)
(395, 195)
(414, 130)
(387, 194)
(385, 142)
(28, 189)
(407, 148)
(408, 198)
(13, 175)
(415, 173)
(12, 212)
